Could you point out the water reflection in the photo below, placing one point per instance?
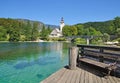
(12, 51)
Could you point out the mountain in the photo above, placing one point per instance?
(52, 26)
(40, 23)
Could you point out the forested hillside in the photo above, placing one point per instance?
(21, 30)
(107, 28)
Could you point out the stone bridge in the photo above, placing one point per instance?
(88, 38)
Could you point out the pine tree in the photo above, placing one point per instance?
(35, 31)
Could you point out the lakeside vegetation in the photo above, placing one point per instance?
(108, 31)
(18, 30)
(14, 30)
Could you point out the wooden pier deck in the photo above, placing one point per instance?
(88, 69)
(80, 75)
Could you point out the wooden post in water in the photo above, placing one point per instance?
(73, 52)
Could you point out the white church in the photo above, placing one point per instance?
(58, 32)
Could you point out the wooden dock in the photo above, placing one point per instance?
(80, 75)
(89, 70)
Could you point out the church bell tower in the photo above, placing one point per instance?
(61, 24)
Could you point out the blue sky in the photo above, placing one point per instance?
(51, 11)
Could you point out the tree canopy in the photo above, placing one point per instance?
(16, 30)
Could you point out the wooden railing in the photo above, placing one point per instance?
(106, 54)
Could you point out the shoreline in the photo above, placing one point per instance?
(31, 41)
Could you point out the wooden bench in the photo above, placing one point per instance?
(101, 54)
(108, 67)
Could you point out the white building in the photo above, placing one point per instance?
(58, 32)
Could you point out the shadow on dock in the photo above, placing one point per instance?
(82, 74)
(98, 71)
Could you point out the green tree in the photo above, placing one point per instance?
(111, 30)
(66, 30)
(14, 34)
(106, 37)
(44, 32)
(73, 30)
(79, 41)
(118, 32)
(116, 22)
(92, 31)
(28, 31)
(35, 31)
(3, 33)
(49, 30)
(80, 29)
(118, 40)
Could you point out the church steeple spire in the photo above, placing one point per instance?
(62, 24)
(62, 20)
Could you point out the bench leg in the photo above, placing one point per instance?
(109, 71)
(108, 74)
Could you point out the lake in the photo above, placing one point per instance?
(31, 62)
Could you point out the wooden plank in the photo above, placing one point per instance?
(90, 78)
(82, 77)
(111, 56)
(70, 77)
(111, 79)
(64, 77)
(108, 79)
(96, 63)
(74, 76)
(86, 76)
(103, 80)
(78, 75)
(117, 80)
(94, 78)
(56, 75)
(99, 79)
(91, 53)
(100, 47)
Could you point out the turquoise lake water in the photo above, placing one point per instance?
(31, 62)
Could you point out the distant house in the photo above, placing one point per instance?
(55, 33)
(58, 32)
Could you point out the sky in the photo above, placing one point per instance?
(51, 11)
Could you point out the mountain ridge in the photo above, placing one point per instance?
(40, 23)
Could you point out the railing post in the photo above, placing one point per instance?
(88, 41)
(101, 50)
(73, 52)
(82, 51)
(78, 55)
(101, 58)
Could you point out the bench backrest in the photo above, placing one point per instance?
(102, 53)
